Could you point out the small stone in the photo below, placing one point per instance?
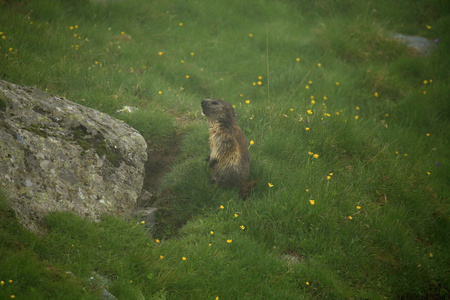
(417, 44)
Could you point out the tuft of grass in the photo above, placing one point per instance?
(153, 125)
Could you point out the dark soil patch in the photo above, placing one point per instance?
(159, 162)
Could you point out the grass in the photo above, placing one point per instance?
(350, 149)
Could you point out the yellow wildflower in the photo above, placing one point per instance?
(316, 155)
(247, 101)
(229, 241)
(312, 202)
(270, 185)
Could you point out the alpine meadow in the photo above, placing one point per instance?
(347, 128)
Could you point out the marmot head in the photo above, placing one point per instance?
(218, 111)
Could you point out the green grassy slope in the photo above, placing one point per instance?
(349, 136)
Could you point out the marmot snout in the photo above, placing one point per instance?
(229, 159)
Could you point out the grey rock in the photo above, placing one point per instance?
(148, 215)
(56, 155)
(127, 109)
(417, 44)
(101, 283)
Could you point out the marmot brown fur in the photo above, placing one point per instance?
(229, 159)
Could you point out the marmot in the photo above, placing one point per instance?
(229, 159)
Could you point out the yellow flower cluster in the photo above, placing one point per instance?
(315, 155)
(358, 208)
(2, 283)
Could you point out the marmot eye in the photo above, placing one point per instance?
(214, 103)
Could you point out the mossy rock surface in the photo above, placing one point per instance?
(60, 156)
